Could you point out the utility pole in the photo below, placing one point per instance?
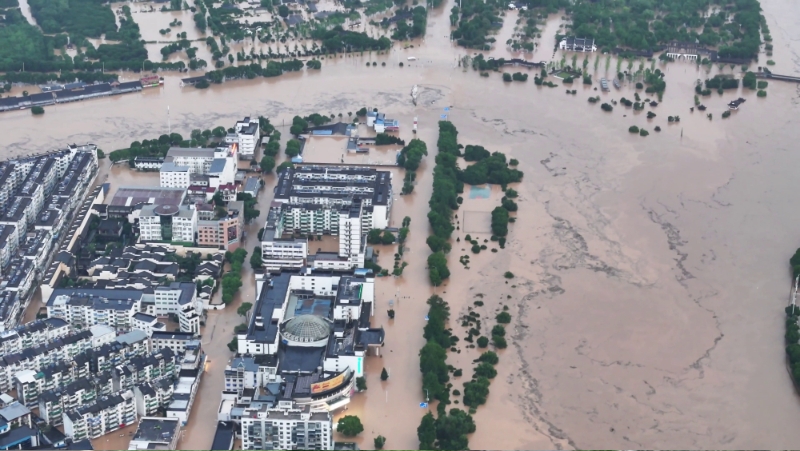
(169, 126)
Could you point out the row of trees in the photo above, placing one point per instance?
(149, 148)
(478, 19)
(232, 280)
(447, 430)
(410, 158)
(446, 187)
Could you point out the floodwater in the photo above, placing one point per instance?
(650, 272)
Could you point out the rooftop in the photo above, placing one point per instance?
(132, 196)
(157, 430)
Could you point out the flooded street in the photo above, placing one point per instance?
(650, 272)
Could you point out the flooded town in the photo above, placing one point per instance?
(273, 284)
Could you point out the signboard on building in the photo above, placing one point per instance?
(329, 384)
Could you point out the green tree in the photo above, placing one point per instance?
(503, 318)
(483, 342)
(489, 357)
(267, 164)
(255, 258)
(426, 431)
(293, 148)
(485, 370)
(234, 344)
(244, 308)
(379, 441)
(349, 426)
(361, 383)
(384, 374)
(283, 11)
(452, 430)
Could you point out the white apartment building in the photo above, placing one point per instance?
(167, 223)
(246, 134)
(85, 307)
(279, 251)
(173, 176)
(287, 426)
(337, 187)
(35, 333)
(281, 247)
(107, 414)
(180, 298)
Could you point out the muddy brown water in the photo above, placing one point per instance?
(650, 273)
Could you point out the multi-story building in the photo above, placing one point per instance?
(35, 333)
(9, 242)
(174, 176)
(279, 250)
(153, 395)
(156, 433)
(53, 403)
(223, 233)
(38, 357)
(180, 298)
(19, 278)
(85, 307)
(287, 426)
(39, 182)
(167, 223)
(107, 414)
(30, 384)
(36, 246)
(339, 186)
(246, 134)
(176, 341)
(317, 325)
(19, 213)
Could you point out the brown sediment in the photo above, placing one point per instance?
(649, 272)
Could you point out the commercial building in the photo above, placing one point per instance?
(182, 165)
(246, 135)
(287, 426)
(316, 325)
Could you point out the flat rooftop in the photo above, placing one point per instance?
(131, 196)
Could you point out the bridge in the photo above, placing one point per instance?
(771, 76)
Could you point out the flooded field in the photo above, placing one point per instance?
(650, 272)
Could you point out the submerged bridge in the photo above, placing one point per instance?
(771, 76)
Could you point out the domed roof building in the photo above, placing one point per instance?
(306, 330)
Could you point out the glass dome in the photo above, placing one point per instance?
(306, 329)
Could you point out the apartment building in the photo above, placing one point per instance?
(53, 403)
(19, 213)
(180, 298)
(167, 223)
(30, 384)
(178, 342)
(38, 357)
(246, 135)
(85, 307)
(287, 426)
(156, 433)
(339, 186)
(9, 242)
(174, 176)
(33, 334)
(153, 395)
(279, 249)
(223, 233)
(107, 414)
